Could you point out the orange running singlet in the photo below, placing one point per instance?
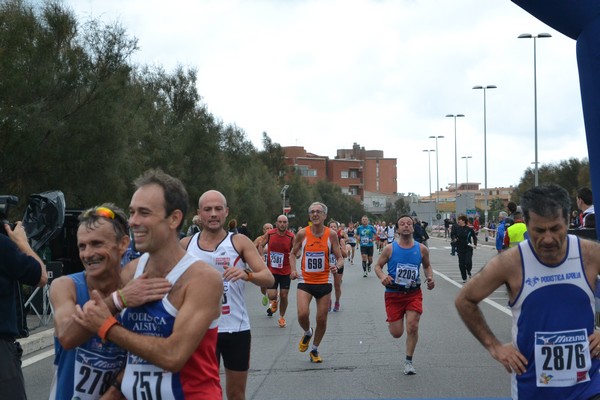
(315, 259)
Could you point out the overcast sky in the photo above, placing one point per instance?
(325, 74)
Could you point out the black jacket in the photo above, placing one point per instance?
(463, 236)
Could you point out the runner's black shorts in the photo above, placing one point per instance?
(316, 290)
(234, 347)
(281, 281)
(368, 250)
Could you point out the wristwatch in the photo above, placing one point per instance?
(249, 274)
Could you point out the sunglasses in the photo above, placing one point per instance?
(100, 212)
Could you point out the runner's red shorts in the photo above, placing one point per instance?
(397, 303)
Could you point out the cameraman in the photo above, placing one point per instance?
(18, 264)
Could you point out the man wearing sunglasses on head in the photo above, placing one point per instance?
(80, 355)
(170, 342)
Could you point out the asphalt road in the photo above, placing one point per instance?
(361, 359)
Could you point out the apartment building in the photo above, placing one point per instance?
(356, 170)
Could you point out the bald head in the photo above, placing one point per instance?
(282, 223)
(212, 195)
(213, 211)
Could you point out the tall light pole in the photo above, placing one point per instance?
(485, 88)
(437, 172)
(455, 153)
(283, 190)
(534, 37)
(466, 158)
(429, 154)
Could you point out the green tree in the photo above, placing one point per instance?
(55, 83)
(393, 211)
(273, 157)
(571, 174)
(76, 116)
(495, 206)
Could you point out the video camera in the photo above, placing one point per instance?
(5, 203)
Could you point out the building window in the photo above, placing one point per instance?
(344, 174)
(379, 203)
(353, 173)
(353, 190)
(305, 171)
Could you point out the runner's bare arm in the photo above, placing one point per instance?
(260, 274)
(195, 315)
(427, 269)
(295, 253)
(261, 241)
(335, 245)
(63, 298)
(492, 276)
(383, 258)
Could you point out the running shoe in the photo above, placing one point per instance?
(315, 357)
(269, 312)
(281, 322)
(365, 274)
(408, 368)
(274, 306)
(336, 307)
(265, 300)
(369, 268)
(303, 345)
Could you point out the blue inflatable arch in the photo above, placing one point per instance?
(580, 20)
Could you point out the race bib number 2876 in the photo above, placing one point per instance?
(562, 358)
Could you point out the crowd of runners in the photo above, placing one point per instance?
(161, 325)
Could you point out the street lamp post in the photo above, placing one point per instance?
(455, 153)
(429, 161)
(429, 154)
(437, 173)
(485, 146)
(283, 190)
(534, 37)
(466, 158)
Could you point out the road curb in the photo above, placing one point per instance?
(37, 341)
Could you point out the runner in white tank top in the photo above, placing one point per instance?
(236, 258)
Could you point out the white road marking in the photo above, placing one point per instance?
(37, 357)
(487, 301)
